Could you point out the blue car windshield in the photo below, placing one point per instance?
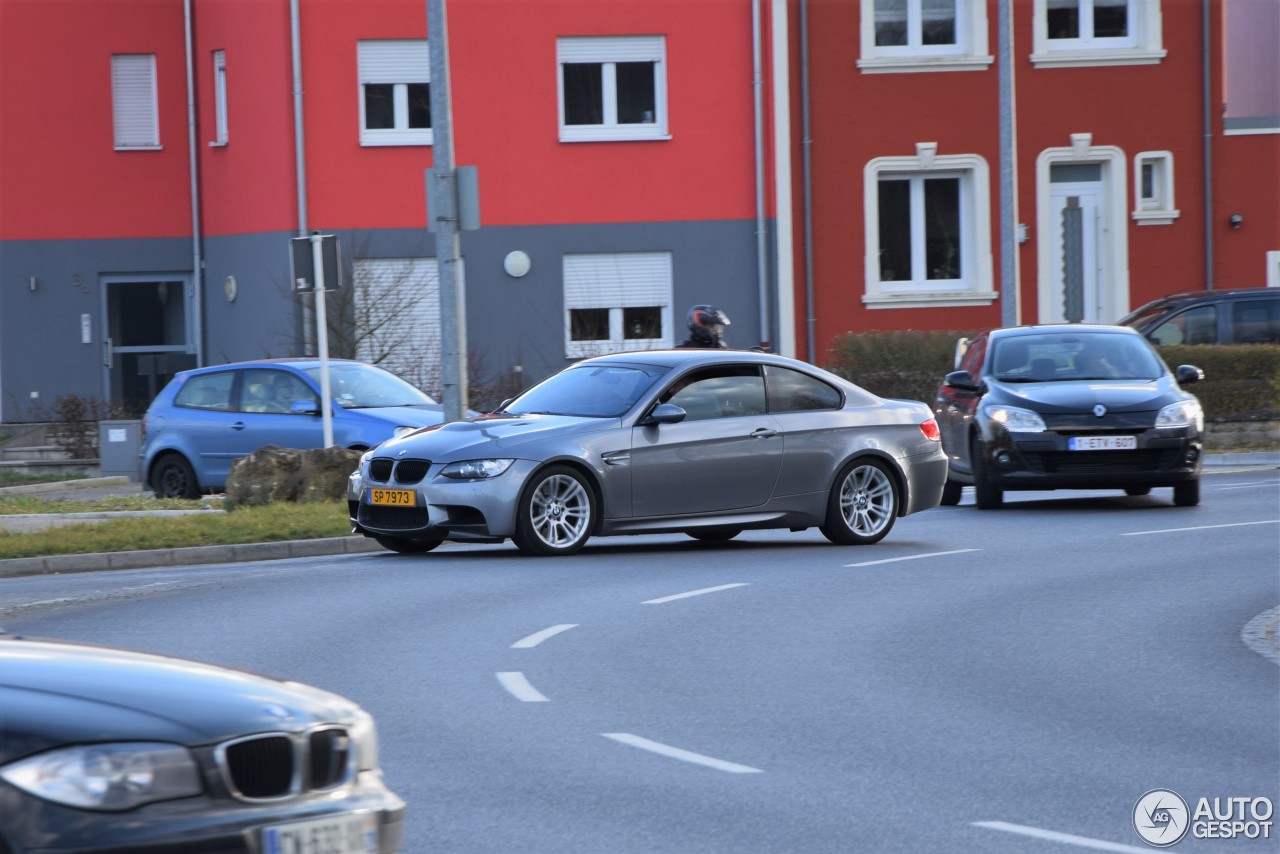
(358, 386)
(1063, 356)
(591, 391)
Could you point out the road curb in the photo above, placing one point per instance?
(159, 558)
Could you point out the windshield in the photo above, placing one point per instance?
(592, 391)
(359, 386)
(1051, 357)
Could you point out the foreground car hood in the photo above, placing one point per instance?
(54, 693)
(1115, 395)
(489, 434)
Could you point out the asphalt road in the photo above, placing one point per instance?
(1008, 681)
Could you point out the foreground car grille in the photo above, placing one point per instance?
(406, 471)
(273, 766)
(1088, 462)
(400, 518)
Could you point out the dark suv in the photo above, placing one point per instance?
(1235, 316)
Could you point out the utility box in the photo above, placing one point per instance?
(118, 446)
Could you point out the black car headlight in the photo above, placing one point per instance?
(1184, 413)
(474, 469)
(1016, 420)
(107, 776)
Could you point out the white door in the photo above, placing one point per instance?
(1088, 197)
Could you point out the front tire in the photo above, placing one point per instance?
(408, 547)
(1187, 494)
(173, 477)
(863, 504)
(556, 514)
(985, 493)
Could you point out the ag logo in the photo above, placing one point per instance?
(1161, 817)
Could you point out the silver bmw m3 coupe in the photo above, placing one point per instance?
(708, 443)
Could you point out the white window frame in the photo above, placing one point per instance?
(1158, 208)
(134, 105)
(969, 53)
(616, 281)
(397, 62)
(219, 98)
(976, 284)
(1143, 46)
(610, 50)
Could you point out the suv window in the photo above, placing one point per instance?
(1197, 325)
(1256, 322)
(207, 391)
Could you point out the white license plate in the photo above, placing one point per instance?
(339, 834)
(1102, 443)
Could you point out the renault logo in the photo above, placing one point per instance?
(1099, 410)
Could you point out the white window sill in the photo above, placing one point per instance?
(597, 134)
(916, 64)
(929, 300)
(1155, 217)
(139, 148)
(389, 138)
(587, 349)
(1100, 57)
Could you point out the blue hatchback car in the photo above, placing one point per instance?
(207, 418)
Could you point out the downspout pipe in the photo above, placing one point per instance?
(197, 258)
(757, 81)
(1207, 74)
(300, 152)
(783, 207)
(807, 157)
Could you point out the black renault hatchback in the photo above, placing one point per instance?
(1068, 407)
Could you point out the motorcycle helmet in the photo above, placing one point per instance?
(707, 317)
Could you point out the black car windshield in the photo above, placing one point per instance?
(1063, 356)
(359, 386)
(591, 391)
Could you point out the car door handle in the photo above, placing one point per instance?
(239, 425)
(763, 433)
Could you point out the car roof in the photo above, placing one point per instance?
(1086, 328)
(1225, 293)
(679, 357)
(300, 362)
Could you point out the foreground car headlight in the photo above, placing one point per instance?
(1016, 420)
(107, 776)
(1181, 414)
(471, 469)
(365, 735)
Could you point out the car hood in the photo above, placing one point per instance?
(495, 433)
(54, 693)
(416, 415)
(1081, 396)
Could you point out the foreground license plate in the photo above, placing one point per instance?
(1102, 443)
(392, 497)
(341, 834)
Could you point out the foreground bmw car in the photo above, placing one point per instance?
(112, 751)
(705, 442)
(1069, 407)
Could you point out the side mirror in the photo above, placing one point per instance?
(504, 404)
(304, 407)
(1188, 374)
(960, 379)
(665, 413)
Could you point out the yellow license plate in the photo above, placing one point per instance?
(392, 497)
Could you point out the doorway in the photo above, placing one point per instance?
(1075, 223)
(147, 337)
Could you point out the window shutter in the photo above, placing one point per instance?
(133, 101)
(394, 61)
(610, 49)
(617, 281)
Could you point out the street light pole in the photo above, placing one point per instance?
(443, 213)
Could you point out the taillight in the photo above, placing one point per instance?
(930, 430)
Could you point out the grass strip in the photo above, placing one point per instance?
(275, 522)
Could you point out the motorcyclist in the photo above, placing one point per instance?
(706, 328)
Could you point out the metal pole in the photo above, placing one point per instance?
(299, 144)
(1010, 308)
(453, 321)
(322, 338)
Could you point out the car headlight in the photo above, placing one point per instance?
(472, 469)
(108, 776)
(1181, 414)
(1016, 420)
(365, 736)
